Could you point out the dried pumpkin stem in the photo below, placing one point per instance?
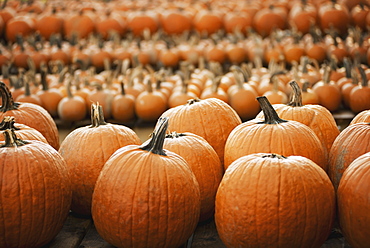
(271, 117)
(8, 123)
(274, 155)
(155, 145)
(7, 99)
(174, 135)
(97, 115)
(296, 100)
(11, 139)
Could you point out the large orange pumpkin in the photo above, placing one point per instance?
(274, 135)
(268, 200)
(317, 117)
(35, 193)
(211, 118)
(204, 163)
(363, 116)
(29, 114)
(86, 149)
(351, 143)
(146, 196)
(354, 202)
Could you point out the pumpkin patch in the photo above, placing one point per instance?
(217, 81)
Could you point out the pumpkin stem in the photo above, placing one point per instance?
(7, 99)
(271, 117)
(174, 135)
(192, 101)
(97, 115)
(8, 123)
(274, 155)
(296, 100)
(11, 139)
(155, 145)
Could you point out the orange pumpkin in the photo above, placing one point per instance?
(260, 198)
(273, 135)
(84, 170)
(22, 131)
(204, 163)
(29, 114)
(211, 118)
(147, 180)
(317, 117)
(351, 143)
(363, 116)
(353, 202)
(35, 194)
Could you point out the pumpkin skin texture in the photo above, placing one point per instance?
(267, 200)
(146, 196)
(35, 192)
(22, 131)
(274, 135)
(363, 116)
(354, 202)
(211, 118)
(29, 114)
(204, 163)
(86, 149)
(351, 143)
(315, 116)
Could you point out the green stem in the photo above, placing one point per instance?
(155, 145)
(271, 117)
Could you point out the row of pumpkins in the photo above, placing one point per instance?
(128, 94)
(83, 18)
(275, 180)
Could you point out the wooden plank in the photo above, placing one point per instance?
(72, 233)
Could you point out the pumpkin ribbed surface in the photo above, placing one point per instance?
(146, 197)
(35, 194)
(351, 143)
(266, 200)
(354, 202)
(211, 118)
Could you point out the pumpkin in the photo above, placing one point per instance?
(86, 149)
(211, 118)
(22, 131)
(71, 107)
(317, 117)
(360, 94)
(35, 192)
(29, 114)
(363, 116)
(146, 196)
(204, 163)
(353, 202)
(123, 106)
(274, 135)
(268, 200)
(352, 142)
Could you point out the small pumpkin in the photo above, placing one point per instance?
(268, 200)
(156, 186)
(35, 193)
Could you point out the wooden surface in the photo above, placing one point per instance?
(80, 232)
